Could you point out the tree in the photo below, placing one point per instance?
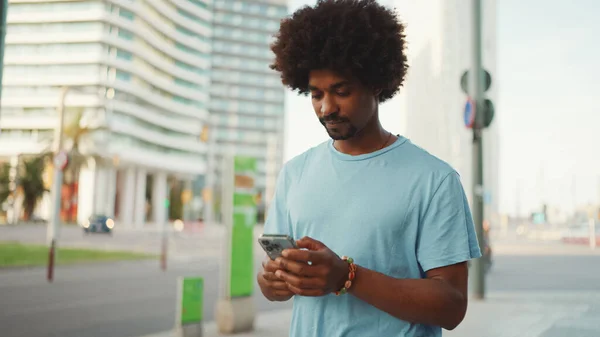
(4, 182)
(32, 183)
(74, 132)
(175, 202)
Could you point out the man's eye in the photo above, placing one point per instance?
(316, 96)
(343, 93)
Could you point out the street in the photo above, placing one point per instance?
(129, 299)
(115, 299)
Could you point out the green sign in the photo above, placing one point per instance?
(191, 300)
(242, 234)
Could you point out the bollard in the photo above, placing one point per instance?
(592, 223)
(235, 311)
(190, 307)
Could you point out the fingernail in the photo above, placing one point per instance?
(278, 273)
(285, 253)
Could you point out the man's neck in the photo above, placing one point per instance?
(370, 139)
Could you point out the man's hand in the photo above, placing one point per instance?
(314, 272)
(271, 286)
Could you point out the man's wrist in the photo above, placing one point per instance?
(342, 275)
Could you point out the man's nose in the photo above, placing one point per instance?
(328, 107)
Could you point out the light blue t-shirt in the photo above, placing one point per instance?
(399, 211)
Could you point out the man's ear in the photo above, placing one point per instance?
(377, 92)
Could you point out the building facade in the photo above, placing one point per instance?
(246, 96)
(432, 102)
(138, 77)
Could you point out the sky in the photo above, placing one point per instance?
(549, 125)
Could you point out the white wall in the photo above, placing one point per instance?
(439, 49)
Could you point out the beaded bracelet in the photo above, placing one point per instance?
(351, 275)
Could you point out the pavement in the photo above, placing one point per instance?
(539, 289)
(501, 314)
(536, 289)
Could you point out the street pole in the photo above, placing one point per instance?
(3, 12)
(209, 183)
(476, 90)
(592, 225)
(53, 226)
(164, 237)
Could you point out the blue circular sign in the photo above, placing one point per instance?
(469, 113)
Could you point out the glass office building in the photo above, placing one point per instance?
(246, 96)
(138, 77)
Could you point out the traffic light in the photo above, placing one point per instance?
(486, 107)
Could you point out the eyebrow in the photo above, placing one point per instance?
(331, 87)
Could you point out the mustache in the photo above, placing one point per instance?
(333, 118)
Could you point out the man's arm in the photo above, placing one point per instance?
(440, 299)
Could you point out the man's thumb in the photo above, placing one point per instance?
(310, 243)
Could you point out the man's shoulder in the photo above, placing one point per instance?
(295, 166)
(424, 162)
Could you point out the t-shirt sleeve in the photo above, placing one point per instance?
(277, 220)
(447, 233)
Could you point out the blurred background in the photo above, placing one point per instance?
(154, 93)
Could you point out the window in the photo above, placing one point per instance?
(199, 3)
(189, 67)
(193, 18)
(186, 84)
(123, 76)
(124, 55)
(190, 51)
(125, 34)
(126, 14)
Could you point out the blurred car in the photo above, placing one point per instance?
(99, 224)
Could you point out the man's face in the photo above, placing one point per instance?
(344, 106)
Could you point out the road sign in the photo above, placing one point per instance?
(488, 113)
(464, 81)
(469, 113)
(244, 220)
(60, 160)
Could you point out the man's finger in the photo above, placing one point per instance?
(298, 268)
(269, 276)
(305, 256)
(271, 266)
(278, 285)
(306, 292)
(310, 243)
(299, 281)
(286, 292)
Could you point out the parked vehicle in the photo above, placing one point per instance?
(98, 224)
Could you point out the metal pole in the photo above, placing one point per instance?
(227, 187)
(592, 225)
(53, 226)
(3, 12)
(209, 216)
(165, 220)
(476, 89)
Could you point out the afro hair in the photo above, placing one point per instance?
(357, 37)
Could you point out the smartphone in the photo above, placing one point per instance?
(274, 244)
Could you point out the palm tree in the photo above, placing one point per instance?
(4, 182)
(32, 183)
(74, 132)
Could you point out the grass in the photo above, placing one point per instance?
(13, 254)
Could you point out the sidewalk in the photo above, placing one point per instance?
(510, 314)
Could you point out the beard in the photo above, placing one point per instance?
(342, 130)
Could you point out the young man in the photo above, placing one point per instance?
(398, 212)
